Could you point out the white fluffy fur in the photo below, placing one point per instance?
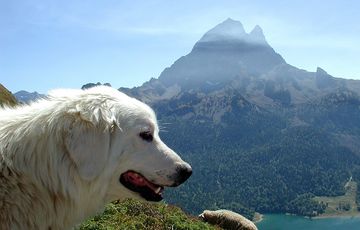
(227, 219)
(61, 157)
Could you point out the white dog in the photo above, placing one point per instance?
(63, 158)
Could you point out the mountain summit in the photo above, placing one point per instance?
(222, 54)
(257, 36)
(233, 31)
(227, 30)
(228, 57)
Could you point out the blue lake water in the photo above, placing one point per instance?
(287, 222)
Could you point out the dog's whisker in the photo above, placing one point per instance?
(163, 125)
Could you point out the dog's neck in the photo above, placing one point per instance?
(64, 210)
(72, 199)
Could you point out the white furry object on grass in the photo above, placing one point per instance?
(64, 157)
(227, 220)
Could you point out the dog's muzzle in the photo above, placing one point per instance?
(148, 190)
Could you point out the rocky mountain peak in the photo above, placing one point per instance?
(227, 30)
(320, 71)
(223, 53)
(323, 79)
(257, 36)
(233, 31)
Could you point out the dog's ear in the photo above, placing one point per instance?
(88, 147)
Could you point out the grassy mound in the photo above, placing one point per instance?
(136, 215)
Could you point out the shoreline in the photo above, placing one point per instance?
(260, 217)
(339, 215)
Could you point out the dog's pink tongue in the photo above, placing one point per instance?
(139, 180)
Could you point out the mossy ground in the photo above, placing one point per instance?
(137, 215)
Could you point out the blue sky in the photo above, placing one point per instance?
(48, 44)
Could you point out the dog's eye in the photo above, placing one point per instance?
(146, 136)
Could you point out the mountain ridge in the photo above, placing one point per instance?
(212, 65)
(26, 97)
(231, 30)
(237, 111)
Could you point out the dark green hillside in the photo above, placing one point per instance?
(266, 177)
(6, 97)
(136, 215)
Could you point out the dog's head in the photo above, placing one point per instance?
(114, 137)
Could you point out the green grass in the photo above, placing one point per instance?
(136, 215)
(341, 205)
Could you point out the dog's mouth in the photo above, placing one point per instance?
(138, 183)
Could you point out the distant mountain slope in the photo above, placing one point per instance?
(90, 85)
(6, 97)
(259, 132)
(26, 97)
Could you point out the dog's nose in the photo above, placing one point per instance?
(184, 172)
